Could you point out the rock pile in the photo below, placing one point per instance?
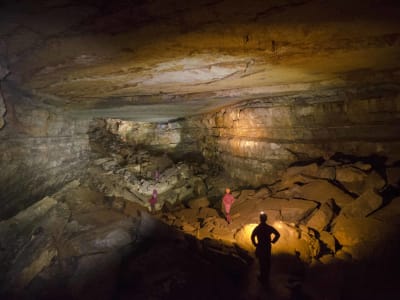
(327, 211)
(61, 242)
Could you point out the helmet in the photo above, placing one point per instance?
(263, 217)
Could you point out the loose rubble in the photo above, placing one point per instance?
(329, 213)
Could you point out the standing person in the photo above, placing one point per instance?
(153, 201)
(227, 201)
(261, 239)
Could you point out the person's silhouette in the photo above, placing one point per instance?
(261, 239)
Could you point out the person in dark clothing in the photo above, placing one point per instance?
(261, 239)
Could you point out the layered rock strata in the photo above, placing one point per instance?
(254, 140)
(40, 151)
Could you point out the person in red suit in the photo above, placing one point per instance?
(227, 202)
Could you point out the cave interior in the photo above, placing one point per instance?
(294, 105)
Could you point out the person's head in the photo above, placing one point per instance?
(227, 190)
(155, 192)
(263, 217)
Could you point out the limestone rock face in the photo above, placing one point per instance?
(41, 150)
(257, 140)
(3, 73)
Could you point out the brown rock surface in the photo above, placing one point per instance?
(323, 191)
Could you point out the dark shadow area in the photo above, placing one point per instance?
(182, 267)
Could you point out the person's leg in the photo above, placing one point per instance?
(263, 267)
(228, 218)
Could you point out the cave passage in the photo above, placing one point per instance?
(122, 124)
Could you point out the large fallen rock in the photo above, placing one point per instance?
(206, 212)
(352, 178)
(326, 172)
(103, 239)
(298, 174)
(362, 206)
(389, 213)
(328, 240)
(296, 210)
(295, 242)
(357, 181)
(363, 237)
(323, 191)
(374, 181)
(310, 170)
(322, 217)
(351, 231)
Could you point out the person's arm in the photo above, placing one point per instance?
(276, 235)
(253, 237)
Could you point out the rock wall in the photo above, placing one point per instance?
(254, 140)
(40, 151)
(173, 137)
(3, 73)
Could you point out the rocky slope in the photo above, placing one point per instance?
(338, 219)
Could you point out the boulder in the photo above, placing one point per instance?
(352, 178)
(206, 212)
(349, 174)
(187, 214)
(362, 166)
(343, 255)
(289, 182)
(368, 202)
(352, 231)
(328, 240)
(291, 243)
(322, 217)
(35, 211)
(293, 210)
(243, 237)
(374, 181)
(263, 193)
(312, 242)
(298, 174)
(297, 210)
(310, 170)
(40, 260)
(188, 227)
(199, 203)
(328, 173)
(323, 191)
(389, 213)
(105, 238)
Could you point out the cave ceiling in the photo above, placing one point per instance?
(159, 60)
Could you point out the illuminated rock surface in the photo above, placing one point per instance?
(294, 105)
